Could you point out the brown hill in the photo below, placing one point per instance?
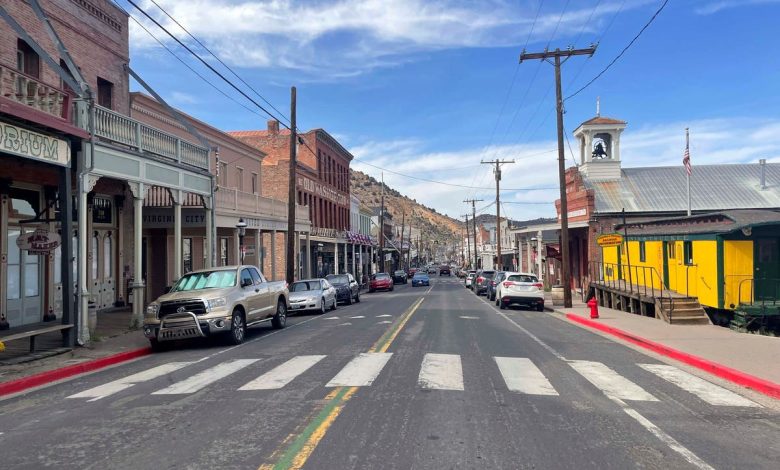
(434, 225)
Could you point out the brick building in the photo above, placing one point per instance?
(322, 184)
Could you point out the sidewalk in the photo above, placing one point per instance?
(720, 348)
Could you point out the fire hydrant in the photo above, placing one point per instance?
(594, 307)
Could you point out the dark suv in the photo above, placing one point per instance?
(444, 270)
(482, 281)
(347, 288)
(492, 283)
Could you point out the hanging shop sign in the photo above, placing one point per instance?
(40, 242)
(25, 143)
(610, 239)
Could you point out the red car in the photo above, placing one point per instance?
(380, 281)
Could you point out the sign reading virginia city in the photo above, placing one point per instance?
(29, 144)
(321, 190)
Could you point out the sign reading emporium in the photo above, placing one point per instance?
(321, 190)
(29, 144)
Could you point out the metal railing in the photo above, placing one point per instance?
(233, 199)
(118, 128)
(32, 92)
(766, 285)
(615, 276)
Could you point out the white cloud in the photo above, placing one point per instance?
(713, 141)
(179, 98)
(347, 37)
(716, 6)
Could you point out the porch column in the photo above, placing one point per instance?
(177, 253)
(86, 183)
(371, 261)
(139, 192)
(66, 266)
(259, 249)
(4, 202)
(273, 255)
(336, 257)
(528, 253)
(236, 246)
(539, 254)
(354, 266)
(209, 242)
(308, 255)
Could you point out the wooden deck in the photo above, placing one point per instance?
(664, 304)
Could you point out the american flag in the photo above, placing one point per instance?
(687, 160)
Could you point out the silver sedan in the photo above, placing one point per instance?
(312, 294)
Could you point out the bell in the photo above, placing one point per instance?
(599, 151)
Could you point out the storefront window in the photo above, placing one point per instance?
(58, 265)
(187, 255)
(30, 275)
(107, 250)
(94, 254)
(223, 251)
(102, 210)
(25, 203)
(14, 265)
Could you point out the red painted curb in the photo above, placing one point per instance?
(18, 385)
(732, 375)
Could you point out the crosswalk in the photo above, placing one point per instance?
(442, 372)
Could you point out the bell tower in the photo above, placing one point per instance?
(599, 139)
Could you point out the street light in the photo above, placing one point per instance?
(241, 226)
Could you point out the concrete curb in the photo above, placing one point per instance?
(26, 383)
(732, 375)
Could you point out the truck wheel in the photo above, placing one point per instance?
(279, 320)
(156, 346)
(237, 328)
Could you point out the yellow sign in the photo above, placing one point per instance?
(610, 239)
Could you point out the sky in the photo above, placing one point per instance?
(427, 89)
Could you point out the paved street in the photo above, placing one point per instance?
(417, 378)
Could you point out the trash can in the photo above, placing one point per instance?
(91, 317)
(557, 295)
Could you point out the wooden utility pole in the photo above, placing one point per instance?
(468, 239)
(474, 221)
(403, 226)
(556, 62)
(497, 172)
(291, 195)
(382, 229)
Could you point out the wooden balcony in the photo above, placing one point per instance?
(30, 91)
(239, 201)
(117, 128)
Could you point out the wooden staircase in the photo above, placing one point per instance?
(681, 311)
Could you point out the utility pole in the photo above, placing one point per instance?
(382, 228)
(291, 195)
(403, 227)
(497, 172)
(468, 239)
(556, 56)
(474, 221)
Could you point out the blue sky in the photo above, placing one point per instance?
(431, 87)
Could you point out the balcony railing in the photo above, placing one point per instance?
(30, 91)
(118, 128)
(232, 199)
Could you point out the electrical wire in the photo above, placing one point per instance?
(652, 18)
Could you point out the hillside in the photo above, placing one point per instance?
(369, 190)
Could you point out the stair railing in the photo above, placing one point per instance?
(610, 275)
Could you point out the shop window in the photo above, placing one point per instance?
(186, 246)
(102, 210)
(27, 60)
(223, 251)
(254, 183)
(25, 203)
(31, 281)
(58, 265)
(94, 254)
(223, 174)
(688, 253)
(14, 266)
(105, 93)
(642, 252)
(671, 251)
(239, 178)
(107, 258)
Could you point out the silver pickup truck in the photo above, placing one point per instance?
(217, 301)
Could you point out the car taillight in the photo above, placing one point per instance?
(538, 285)
(492, 283)
(508, 283)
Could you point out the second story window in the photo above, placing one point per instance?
(27, 60)
(254, 183)
(105, 93)
(239, 179)
(223, 174)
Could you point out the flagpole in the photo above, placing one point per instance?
(688, 173)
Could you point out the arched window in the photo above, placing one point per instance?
(107, 258)
(94, 253)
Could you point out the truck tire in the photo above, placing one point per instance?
(279, 320)
(237, 332)
(156, 346)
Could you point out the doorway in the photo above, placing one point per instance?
(24, 281)
(767, 269)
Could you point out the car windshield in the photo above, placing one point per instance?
(337, 278)
(206, 280)
(305, 286)
(381, 276)
(420, 276)
(522, 278)
(399, 273)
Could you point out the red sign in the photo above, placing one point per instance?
(40, 242)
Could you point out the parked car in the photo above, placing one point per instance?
(470, 277)
(421, 279)
(431, 270)
(380, 281)
(216, 301)
(520, 289)
(347, 288)
(483, 277)
(412, 271)
(312, 294)
(491, 284)
(444, 270)
(399, 277)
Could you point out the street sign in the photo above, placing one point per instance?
(610, 239)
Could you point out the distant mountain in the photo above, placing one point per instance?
(436, 225)
(491, 219)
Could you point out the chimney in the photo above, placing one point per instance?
(273, 126)
(762, 162)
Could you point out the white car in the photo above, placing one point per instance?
(312, 294)
(470, 278)
(523, 289)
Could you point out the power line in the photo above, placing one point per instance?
(218, 59)
(652, 18)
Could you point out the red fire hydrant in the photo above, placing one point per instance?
(594, 307)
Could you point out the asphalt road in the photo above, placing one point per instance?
(417, 378)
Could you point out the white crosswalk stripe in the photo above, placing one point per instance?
(283, 374)
(441, 372)
(205, 378)
(360, 371)
(124, 383)
(610, 382)
(521, 375)
(707, 391)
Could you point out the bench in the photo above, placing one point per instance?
(33, 333)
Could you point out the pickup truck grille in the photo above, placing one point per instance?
(195, 306)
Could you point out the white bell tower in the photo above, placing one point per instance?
(600, 147)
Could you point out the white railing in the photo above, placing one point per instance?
(32, 92)
(232, 199)
(115, 127)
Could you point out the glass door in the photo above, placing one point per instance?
(23, 289)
